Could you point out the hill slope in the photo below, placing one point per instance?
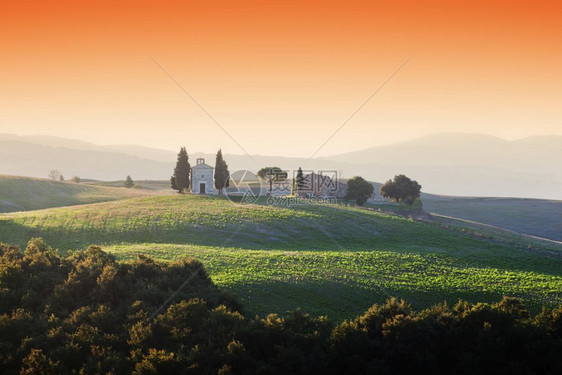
(324, 259)
(24, 193)
(536, 217)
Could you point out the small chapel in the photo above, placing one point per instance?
(202, 178)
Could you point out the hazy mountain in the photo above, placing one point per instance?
(47, 140)
(144, 152)
(469, 164)
(31, 159)
(453, 164)
(453, 149)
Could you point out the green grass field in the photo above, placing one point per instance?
(330, 260)
(24, 193)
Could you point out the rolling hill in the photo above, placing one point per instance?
(23, 193)
(325, 259)
(535, 217)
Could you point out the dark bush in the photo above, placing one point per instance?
(87, 313)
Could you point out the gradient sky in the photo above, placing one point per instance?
(279, 76)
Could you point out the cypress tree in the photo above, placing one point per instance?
(173, 184)
(222, 175)
(180, 179)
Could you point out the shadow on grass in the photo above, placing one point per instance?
(340, 301)
(294, 235)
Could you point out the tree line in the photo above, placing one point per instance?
(90, 314)
(56, 175)
(399, 189)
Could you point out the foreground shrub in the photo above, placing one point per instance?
(87, 313)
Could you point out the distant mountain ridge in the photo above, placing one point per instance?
(445, 163)
(470, 164)
(474, 148)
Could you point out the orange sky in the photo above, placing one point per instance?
(280, 77)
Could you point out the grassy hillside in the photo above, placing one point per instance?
(537, 217)
(324, 259)
(24, 193)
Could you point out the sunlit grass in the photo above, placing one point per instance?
(324, 259)
(343, 283)
(23, 193)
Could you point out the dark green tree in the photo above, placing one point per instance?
(222, 175)
(129, 182)
(173, 184)
(359, 189)
(401, 189)
(181, 172)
